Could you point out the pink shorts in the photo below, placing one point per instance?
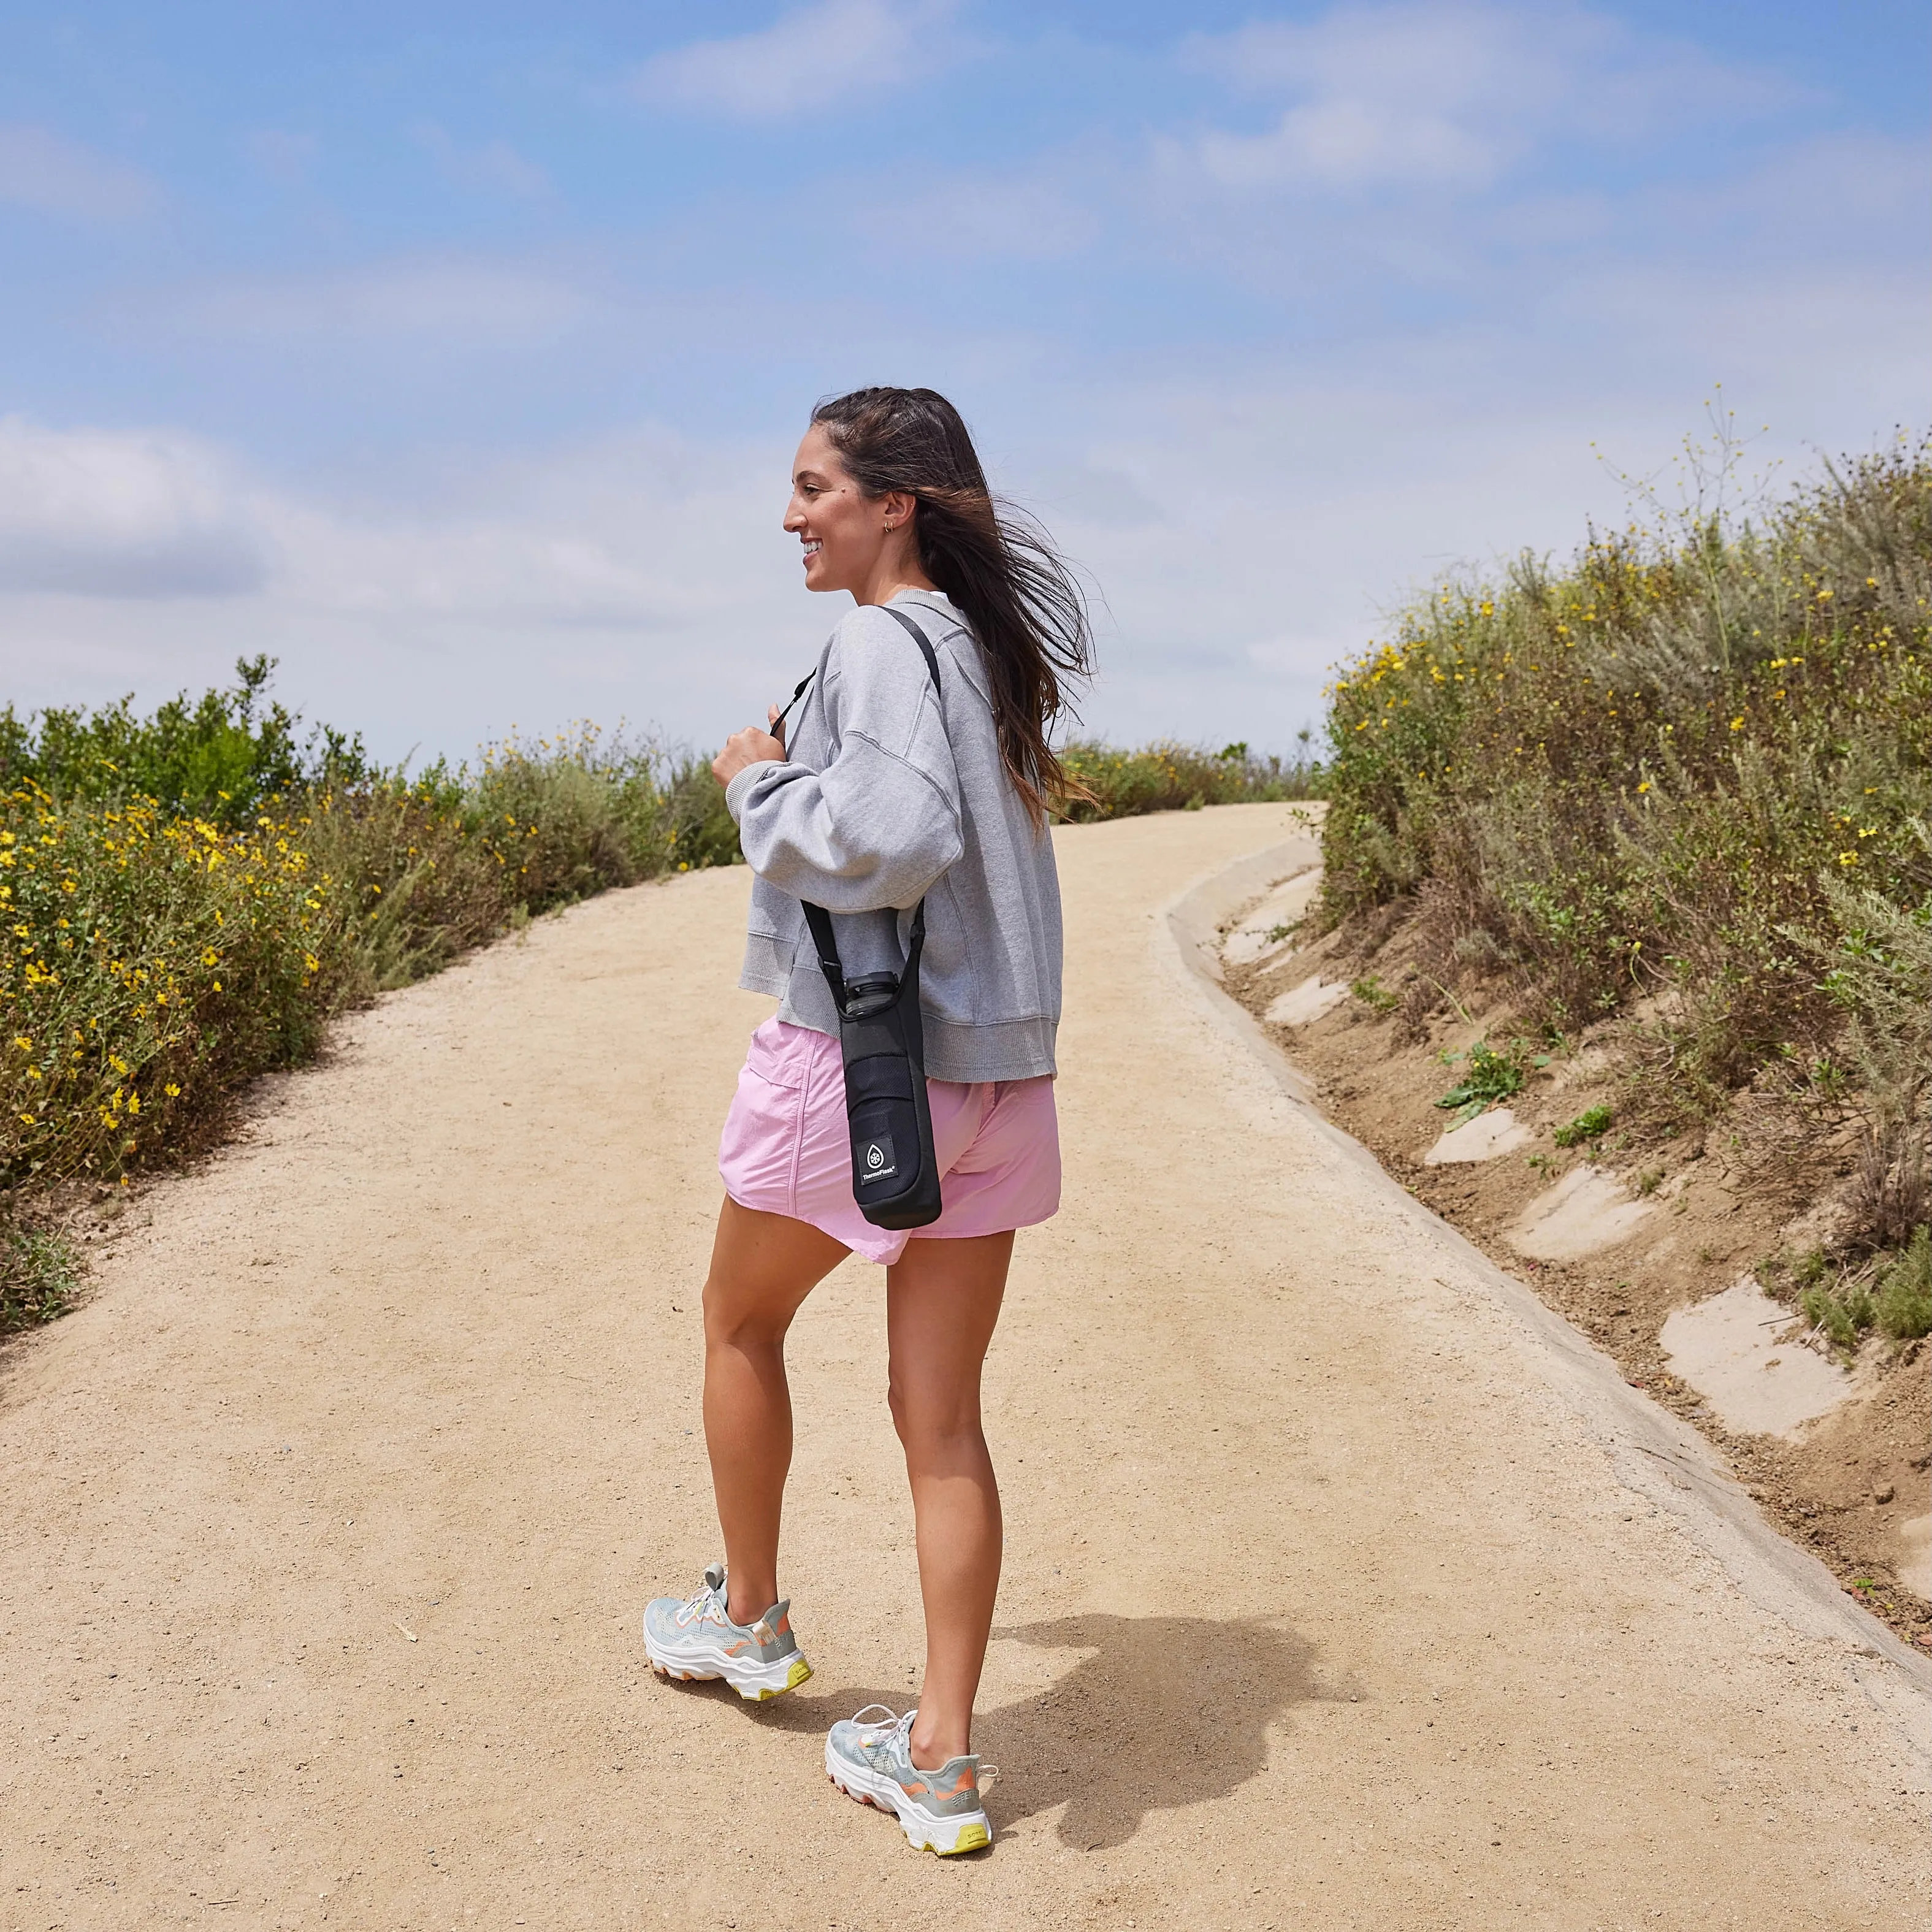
(786, 1150)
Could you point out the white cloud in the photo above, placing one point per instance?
(1452, 94)
(1247, 521)
(441, 298)
(45, 172)
(810, 58)
(119, 515)
(642, 576)
(490, 164)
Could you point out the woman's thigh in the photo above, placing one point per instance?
(942, 1304)
(763, 1266)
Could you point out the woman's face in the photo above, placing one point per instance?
(844, 533)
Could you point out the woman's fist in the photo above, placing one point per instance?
(749, 747)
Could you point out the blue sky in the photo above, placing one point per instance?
(455, 356)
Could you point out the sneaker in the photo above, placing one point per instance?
(697, 1639)
(869, 1757)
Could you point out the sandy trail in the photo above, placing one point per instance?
(331, 1516)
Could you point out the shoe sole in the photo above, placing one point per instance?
(756, 1685)
(969, 1831)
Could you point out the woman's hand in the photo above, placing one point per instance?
(750, 747)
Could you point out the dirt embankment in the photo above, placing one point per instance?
(1648, 1246)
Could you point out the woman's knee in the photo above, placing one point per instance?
(733, 1318)
(935, 1426)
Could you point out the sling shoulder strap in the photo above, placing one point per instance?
(919, 637)
(816, 917)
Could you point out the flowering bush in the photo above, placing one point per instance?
(149, 960)
(158, 951)
(1168, 777)
(1641, 776)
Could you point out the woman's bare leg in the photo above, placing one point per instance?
(942, 1301)
(763, 1266)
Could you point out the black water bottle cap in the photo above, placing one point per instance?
(872, 995)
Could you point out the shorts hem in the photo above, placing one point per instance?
(892, 1241)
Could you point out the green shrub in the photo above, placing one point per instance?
(1876, 958)
(221, 758)
(1491, 1076)
(1591, 1124)
(155, 962)
(39, 1274)
(1373, 994)
(1904, 1308)
(159, 955)
(1673, 769)
(1842, 1317)
(1114, 784)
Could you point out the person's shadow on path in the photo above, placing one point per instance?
(1166, 1711)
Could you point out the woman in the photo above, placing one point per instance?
(897, 788)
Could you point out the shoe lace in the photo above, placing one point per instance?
(893, 1721)
(694, 1607)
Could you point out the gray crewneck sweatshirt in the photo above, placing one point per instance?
(892, 791)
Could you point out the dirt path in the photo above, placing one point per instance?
(329, 1519)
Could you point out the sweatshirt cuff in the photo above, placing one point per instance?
(740, 789)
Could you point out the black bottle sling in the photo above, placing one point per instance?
(882, 1039)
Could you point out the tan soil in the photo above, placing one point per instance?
(332, 1511)
(1855, 1489)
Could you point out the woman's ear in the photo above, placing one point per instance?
(899, 506)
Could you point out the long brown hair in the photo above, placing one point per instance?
(998, 567)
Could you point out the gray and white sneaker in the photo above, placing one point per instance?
(696, 1638)
(869, 1757)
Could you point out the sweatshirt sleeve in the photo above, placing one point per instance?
(881, 823)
